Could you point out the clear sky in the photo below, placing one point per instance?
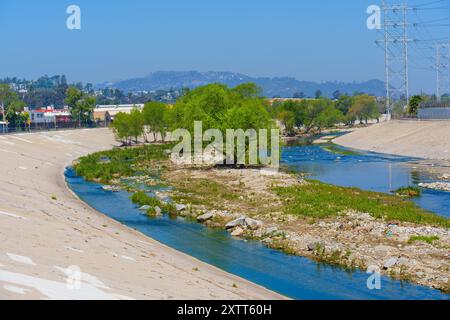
(314, 40)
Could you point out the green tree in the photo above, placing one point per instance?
(222, 108)
(364, 108)
(7, 96)
(344, 103)
(14, 113)
(136, 124)
(287, 118)
(329, 118)
(81, 105)
(414, 103)
(121, 128)
(155, 120)
(248, 90)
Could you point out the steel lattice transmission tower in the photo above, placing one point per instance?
(442, 69)
(396, 40)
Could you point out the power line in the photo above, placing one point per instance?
(396, 40)
(442, 69)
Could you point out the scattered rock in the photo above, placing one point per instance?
(205, 217)
(252, 224)
(390, 263)
(236, 223)
(237, 232)
(270, 231)
(158, 211)
(110, 188)
(440, 186)
(145, 208)
(181, 207)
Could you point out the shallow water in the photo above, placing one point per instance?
(295, 277)
(368, 171)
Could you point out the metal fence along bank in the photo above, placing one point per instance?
(50, 126)
(440, 113)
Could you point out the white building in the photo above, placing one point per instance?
(108, 112)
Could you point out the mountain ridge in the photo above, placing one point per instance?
(276, 86)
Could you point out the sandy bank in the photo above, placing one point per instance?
(46, 234)
(423, 139)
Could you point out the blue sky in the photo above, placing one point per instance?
(314, 40)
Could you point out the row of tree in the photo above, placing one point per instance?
(215, 105)
(316, 114)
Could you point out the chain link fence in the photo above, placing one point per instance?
(50, 126)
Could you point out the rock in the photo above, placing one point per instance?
(239, 222)
(110, 188)
(180, 207)
(158, 211)
(145, 208)
(205, 217)
(390, 263)
(237, 232)
(440, 186)
(270, 231)
(315, 246)
(252, 224)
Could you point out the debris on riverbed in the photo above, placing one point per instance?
(111, 188)
(440, 186)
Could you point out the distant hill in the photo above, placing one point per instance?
(284, 87)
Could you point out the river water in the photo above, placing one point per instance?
(365, 170)
(295, 277)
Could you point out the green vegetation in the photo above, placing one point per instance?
(205, 192)
(414, 104)
(154, 116)
(81, 105)
(314, 115)
(143, 199)
(409, 192)
(321, 200)
(123, 162)
(429, 239)
(364, 108)
(219, 107)
(12, 108)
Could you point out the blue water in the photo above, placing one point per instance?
(295, 277)
(368, 171)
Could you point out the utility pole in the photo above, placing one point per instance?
(396, 40)
(442, 70)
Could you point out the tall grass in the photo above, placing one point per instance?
(121, 162)
(320, 200)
